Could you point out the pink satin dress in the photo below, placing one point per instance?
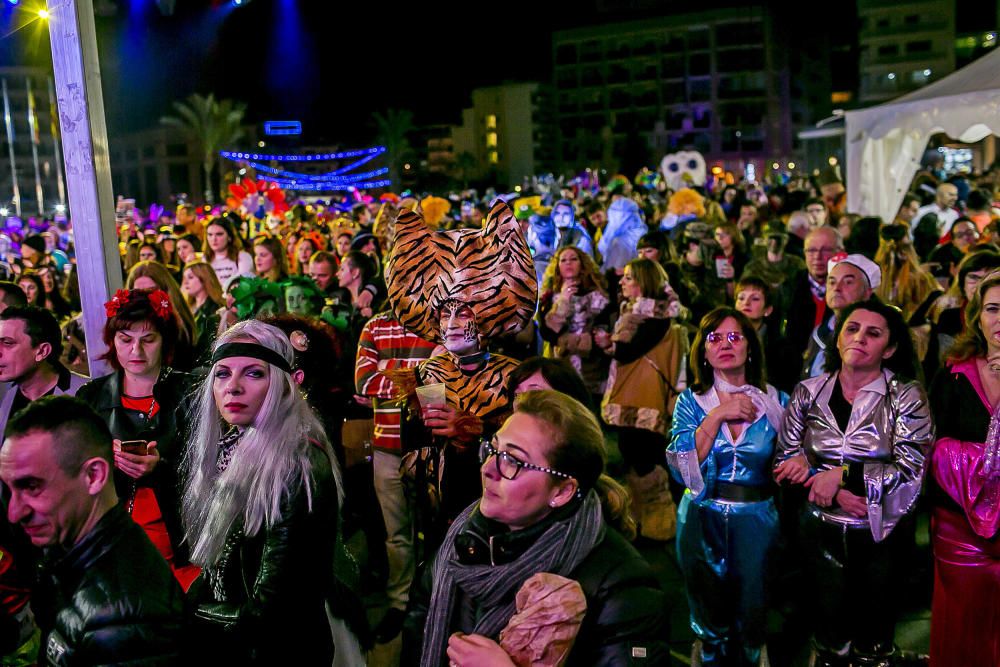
(965, 615)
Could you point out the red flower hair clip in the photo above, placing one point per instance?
(120, 298)
(160, 301)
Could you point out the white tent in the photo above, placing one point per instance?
(885, 142)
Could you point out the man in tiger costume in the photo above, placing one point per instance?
(462, 288)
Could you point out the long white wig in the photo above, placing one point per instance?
(270, 462)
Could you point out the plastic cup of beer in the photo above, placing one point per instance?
(431, 395)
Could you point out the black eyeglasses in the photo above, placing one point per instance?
(508, 465)
(733, 337)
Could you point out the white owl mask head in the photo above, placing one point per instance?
(684, 169)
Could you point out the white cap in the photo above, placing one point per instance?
(862, 263)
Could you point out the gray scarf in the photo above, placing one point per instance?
(559, 550)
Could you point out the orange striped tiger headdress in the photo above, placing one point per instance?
(490, 269)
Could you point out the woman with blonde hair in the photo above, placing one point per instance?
(153, 275)
(964, 488)
(905, 283)
(648, 350)
(573, 297)
(548, 518)
(260, 504)
(204, 297)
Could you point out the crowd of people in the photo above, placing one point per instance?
(475, 407)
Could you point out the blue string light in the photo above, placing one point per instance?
(318, 178)
(326, 187)
(320, 157)
(355, 164)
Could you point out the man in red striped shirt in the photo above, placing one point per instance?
(385, 345)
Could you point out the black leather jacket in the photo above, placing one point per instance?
(271, 610)
(168, 428)
(110, 599)
(627, 620)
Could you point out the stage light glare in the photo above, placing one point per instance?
(43, 13)
(4, 211)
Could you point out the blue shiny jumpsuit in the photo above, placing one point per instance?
(723, 544)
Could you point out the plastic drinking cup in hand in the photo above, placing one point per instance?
(431, 395)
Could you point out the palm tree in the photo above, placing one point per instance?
(212, 124)
(392, 129)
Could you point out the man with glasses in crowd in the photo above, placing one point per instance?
(808, 304)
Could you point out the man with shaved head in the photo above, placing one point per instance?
(943, 206)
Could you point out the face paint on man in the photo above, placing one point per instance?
(459, 331)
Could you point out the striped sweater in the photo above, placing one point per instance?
(385, 344)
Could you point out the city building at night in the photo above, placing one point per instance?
(903, 46)
(502, 131)
(720, 82)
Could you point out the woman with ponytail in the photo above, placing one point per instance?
(547, 507)
(723, 437)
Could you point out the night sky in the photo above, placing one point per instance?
(326, 63)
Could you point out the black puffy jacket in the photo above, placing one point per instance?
(110, 599)
(271, 606)
(167, 428)
(627, 620)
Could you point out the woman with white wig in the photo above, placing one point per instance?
(261, 497)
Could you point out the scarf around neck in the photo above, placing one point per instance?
(558, 550)
(762, 400)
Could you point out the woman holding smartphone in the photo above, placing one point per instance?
(142, 403)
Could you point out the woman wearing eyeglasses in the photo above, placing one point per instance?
(546, 507)
(722, 440)
(857, 437)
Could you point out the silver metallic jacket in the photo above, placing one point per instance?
(890, 432)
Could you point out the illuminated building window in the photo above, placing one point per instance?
(840, 97)
(491, 122)
(491, 139)
(494, 157)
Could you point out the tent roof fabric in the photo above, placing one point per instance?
(978, 76)
(885, 142)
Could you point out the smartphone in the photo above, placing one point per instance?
(720, 266)
(135, 447)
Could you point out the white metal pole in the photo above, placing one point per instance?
(84, 139)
